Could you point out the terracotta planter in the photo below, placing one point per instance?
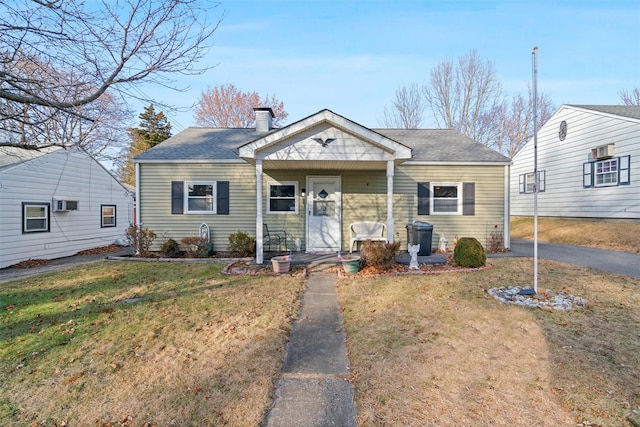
(280, 264)
(351, 266)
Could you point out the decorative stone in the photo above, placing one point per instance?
(548, 301)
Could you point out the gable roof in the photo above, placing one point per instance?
(226, 145)
(12, 156)
(629, 111)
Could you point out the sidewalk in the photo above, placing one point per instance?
(313, 390)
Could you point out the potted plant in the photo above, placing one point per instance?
(281, 264)
(351, 265)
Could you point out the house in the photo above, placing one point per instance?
(315, 177)
(587, 157)
(55, 202)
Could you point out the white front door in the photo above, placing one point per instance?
(324, 207)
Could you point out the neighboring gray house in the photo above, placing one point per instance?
(589, 164)
(315, 177)
(55, 202)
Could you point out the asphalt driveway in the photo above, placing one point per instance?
(610, 261)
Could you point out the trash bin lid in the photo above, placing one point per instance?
(421, 225)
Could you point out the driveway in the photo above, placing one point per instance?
(610, 261)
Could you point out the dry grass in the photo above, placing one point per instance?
(198, 348)
(437, 350)
(617, 236)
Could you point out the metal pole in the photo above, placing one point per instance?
(535, 169)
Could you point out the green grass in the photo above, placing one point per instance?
(196, 348)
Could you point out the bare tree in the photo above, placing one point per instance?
(630, 98)
(63, 54)
(465, 96)
(514, 123)
(407, 111)
(227, 106)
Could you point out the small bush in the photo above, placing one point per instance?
(379, 254)
(469, 253)
(141, 239)
(241, 244)
(196, 247)
(495, 240)
(170, 248)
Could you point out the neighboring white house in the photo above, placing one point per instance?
(55, 202)
(588, 162)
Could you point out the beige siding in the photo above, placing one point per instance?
(155, 203)
(364, 198)
(489, 201)
(293, 223)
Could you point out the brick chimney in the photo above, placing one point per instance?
(264, 119)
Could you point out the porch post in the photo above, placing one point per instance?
(390, 172)
(259, 219)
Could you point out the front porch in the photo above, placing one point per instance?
(308, 258)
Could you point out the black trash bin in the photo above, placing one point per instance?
(420, 232)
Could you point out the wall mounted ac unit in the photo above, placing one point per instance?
(603, 151)
(65, 205)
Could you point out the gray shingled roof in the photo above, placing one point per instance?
(201, 144)
(438, 145)
(442, 145)
(631, 111)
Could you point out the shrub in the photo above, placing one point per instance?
(141, 239)
(380, 255)
(170, 248)
(469, 253)
(196, 247)
(495, 240)
(241, 244)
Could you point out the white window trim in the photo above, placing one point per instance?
(214, 185)
(103, 216)
(433, 197)
(295, 197)
(47, 217)
(615, 174)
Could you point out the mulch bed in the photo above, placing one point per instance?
(31, 263)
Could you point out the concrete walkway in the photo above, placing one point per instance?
(313, 389)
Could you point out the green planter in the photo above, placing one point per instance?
(351, 266)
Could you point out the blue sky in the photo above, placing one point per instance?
(351, 56)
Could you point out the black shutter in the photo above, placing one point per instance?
(177, 197)
(468, 198)
(424, 194)
(624, 174)
(587, 175)
(542, 181)
(222, 196)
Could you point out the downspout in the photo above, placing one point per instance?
(507, 207)
(390, 172)
(259, 218)
(137, 201)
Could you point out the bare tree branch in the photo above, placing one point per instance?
(630, 98)
(407, 110)
(227, 106)
(105, 44)
(461, 96)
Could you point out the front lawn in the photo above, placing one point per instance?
(142, 344)
(437, 350)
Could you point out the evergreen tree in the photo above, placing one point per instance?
(153, 129)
